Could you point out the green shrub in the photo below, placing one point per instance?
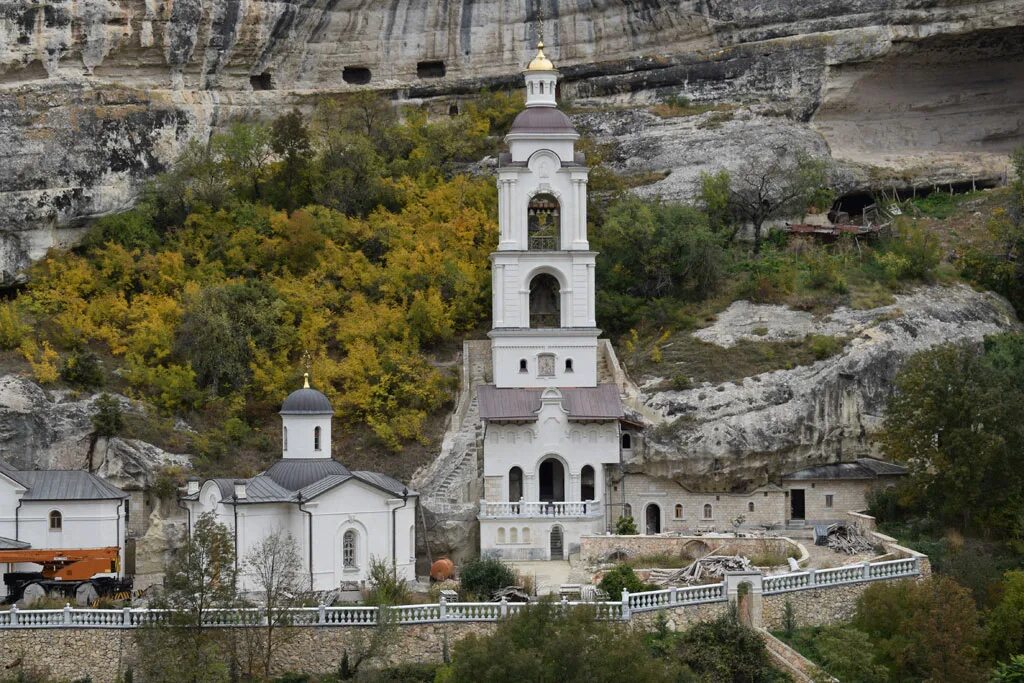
(823, 346)
(625, 526)
(725, 650)
(912, 253)
(485, 575)
(386, 587)
(621, 578)
(82, 368)
(12, 329)
(108, 420)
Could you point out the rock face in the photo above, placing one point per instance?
(739, 434)
(96, 95)
(40, 430)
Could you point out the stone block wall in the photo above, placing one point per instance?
(595, 548)
(845, 495)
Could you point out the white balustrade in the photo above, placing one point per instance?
(501, 509)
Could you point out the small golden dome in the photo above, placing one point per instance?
(540, 62)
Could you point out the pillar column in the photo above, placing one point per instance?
(498, 304)
(591, 314)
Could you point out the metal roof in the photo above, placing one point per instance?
(66, 485)
(10, 472)
(862, 468)
(385, 482)
(306, 401)
(542, 120)
(11, 544)
(298, 473)
(582, 403)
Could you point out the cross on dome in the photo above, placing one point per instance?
(540, 62)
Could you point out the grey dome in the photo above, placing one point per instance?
(298, 473)
(542, 120)
(306, 401)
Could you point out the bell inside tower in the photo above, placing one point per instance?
(545, 308)
(543, 223)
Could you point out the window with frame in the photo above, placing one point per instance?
(750, 507)
(348, 549)
(828, 500)
(284, 438)
(316, 438)
(627, 441)
(707, 511)
(56, 520)
(679, 511)
(522, 365)
(568, 364)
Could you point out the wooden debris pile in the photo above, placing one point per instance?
(846, 538)
(511, 594)
(701, 570)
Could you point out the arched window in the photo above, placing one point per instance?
(750, 506)
(501, 534)
(522, 365)
(526, 534)
(513, 535)
(542, 87)
(545, 301)
(284, 438)
(543, 222)
(348, 548)
(627, 510)
(531, 87)
(587, 483)
(515, 484)
(627, 440)
(568, 364)
(707, 510)
(56, 521)
(316, 438)
(679, 511)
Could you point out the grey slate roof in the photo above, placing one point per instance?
(383, 481)
(10, 472)
(11, 544)
(66, 485)
(862, 468)
(541, 120)
(306, 401)
(582, 403)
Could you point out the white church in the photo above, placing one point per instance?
(551, 427)
(339, 519)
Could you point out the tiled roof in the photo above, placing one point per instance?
(582, 403)
(862, 468)
(66, 485)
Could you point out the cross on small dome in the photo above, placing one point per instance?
(540, 62)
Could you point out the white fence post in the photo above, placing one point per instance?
(625, 605)
(812, 577)
(867, 570)
(14, 616)
(321, 614)
(672, 595)
(442, 608)
(126, 617)
(504, 607)
(67, 613)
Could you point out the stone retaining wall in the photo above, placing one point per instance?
(595, 548)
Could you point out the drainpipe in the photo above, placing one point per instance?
(394, 529)
(17, 512)
(117, 534)
(310, 514)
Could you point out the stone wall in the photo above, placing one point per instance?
(792, 662)
(595, 548)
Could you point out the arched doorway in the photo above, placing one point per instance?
(543, 223)
(557, 552)
(653, 518)
(587, 488)
(545, 301)
(552, 481)
(515, 484)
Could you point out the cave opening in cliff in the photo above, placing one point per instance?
(431, 69)
(853, 204)
(356, 75)
(262, 81)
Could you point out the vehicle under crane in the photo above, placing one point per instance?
(84, 574)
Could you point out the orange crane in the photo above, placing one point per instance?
(85, 573)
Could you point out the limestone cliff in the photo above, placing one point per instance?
(96, 95)
(740, 434)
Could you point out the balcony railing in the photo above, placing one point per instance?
(580, 509)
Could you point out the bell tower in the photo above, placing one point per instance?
(544, 331)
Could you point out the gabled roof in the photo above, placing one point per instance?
(10, 472)
(861, 468)
(582, 403)
(67, 485)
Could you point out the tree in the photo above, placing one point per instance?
(848, 654)
(625, 525)
(199, 578)
(245, 152)
(1011, 671)
(278, 575)
(485, 575)
(956, 419)
(922, 630)
(386, 587)
(290, 141)
(544, 644)
(774, 187)
(1005, 623)
(619, 579)
(725, 651)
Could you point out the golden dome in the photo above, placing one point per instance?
(540, 62)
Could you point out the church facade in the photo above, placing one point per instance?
(340, 519)
(551, 428)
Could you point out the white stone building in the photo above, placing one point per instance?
(55, 509)
(339, 519)
(551, 429)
